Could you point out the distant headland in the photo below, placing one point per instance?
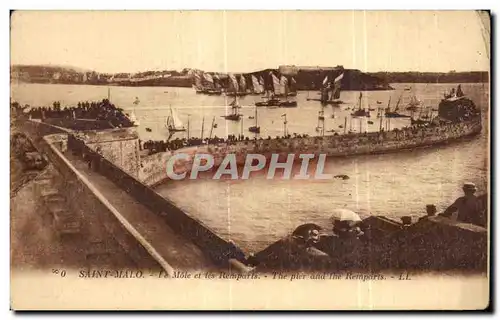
(306, 77)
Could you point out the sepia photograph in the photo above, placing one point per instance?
(250, 160)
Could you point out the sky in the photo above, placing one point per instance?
(244, 41)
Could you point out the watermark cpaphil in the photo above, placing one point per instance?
(187, 166)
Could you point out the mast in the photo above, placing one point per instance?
(360, 97)
(323, 127)
(188, 125)
(397, 103)
(381, 119)
(212, 128)
(284, 124)
(202, 128)
(109, 95)
(285, 82)
(345, 125)
(255, 116)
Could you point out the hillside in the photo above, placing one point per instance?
(433, 77)
(307, 78)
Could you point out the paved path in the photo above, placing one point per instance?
(178, 252)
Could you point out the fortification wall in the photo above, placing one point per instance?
(100, 225)
(120, 146)
(154, 166)
(217, 249)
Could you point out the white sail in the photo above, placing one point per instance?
(173, 121)
(256, 84)
(233, 82)
(209, 79)
(243, 83)
(336, 87)
(133, 118)
(276, 85)
(325, 81)
(216, 83)
(197, 81)
(177, 121)
(283, 85)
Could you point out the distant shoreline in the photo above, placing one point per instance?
(171, 86)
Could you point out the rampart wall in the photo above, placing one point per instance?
(101, 225)
(154, 170)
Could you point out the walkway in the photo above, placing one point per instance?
(175, 250)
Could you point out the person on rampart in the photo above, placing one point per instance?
(468, 209)
(294, 252)
(345, 247)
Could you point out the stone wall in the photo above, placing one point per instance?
(100, 224)
(120, 146)
(153, 169)
(217, 249)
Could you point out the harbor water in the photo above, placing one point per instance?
(253, 213)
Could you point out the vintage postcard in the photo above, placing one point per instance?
(250, 160)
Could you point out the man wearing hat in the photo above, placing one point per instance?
(468, 208)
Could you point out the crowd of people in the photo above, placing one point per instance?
(351, 245)
(155, 146)
(95, 110)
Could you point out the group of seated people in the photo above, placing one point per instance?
(95, 110)
(351, 245)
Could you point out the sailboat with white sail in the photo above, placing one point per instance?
(330, 91)
(173, 123)
(198, 83)
(211, 88)
(235, 89)
(257, 87)
(284, 87)
(243, 85)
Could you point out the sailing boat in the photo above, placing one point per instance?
(211, 88)
(243, 86)
(335, 96)
(198, 83)
(234, 87)
(360, 112)
(293, 88)
(174, 124)
(414, 104)
(257, 88)
(395, 114)
(255, 128)
(285, 88)
(334, 88)
(234, 115)
(132, 117)
(272, 101)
